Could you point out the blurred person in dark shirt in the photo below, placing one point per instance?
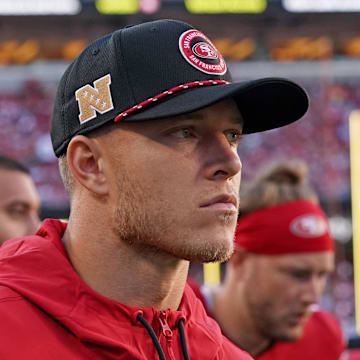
(19, 200)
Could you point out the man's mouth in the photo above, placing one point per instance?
(222, 202)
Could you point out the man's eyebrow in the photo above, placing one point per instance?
(18, 203)
(238, 120)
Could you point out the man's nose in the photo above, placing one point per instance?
(313, 290)
(222, 159)
(33, 224)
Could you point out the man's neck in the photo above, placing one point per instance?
(124, 273)
(236, 323)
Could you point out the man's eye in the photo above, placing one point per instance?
(233, 137)
(183, 133)
(17, 211)
(301, 275)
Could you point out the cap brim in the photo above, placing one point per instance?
(264, 104)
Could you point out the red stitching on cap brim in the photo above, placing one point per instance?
(167, 93)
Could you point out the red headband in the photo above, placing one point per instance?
(298, 226)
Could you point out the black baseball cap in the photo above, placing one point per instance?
(161, 69)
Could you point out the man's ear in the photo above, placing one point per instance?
(86, 163)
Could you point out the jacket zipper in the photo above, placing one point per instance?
(167, 332)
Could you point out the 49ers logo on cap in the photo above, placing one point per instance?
(200, 52)
(309, 226)
(204, 50)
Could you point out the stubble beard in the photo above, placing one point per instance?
(262, 315)
(153, 233)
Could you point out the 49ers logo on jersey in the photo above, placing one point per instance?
(200, 52)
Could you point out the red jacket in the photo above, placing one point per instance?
(352, 355)
(47, 312)
(322, 338)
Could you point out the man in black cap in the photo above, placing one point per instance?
(146, 124)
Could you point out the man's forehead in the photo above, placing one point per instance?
(16, 186)
(10, 178)
(19, 199)
(311, 259)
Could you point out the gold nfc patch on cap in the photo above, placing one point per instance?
(94, 99)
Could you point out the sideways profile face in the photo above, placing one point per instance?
(19, 202)
(179, 173)
(152, 131)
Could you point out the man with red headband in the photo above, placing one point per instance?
(275, 277)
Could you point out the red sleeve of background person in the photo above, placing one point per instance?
(352, 355)
(322, 340)
(297, 226)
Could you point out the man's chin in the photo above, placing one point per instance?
(293, 334)
(209, 254)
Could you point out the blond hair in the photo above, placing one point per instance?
(280, 183)
(66, 175)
